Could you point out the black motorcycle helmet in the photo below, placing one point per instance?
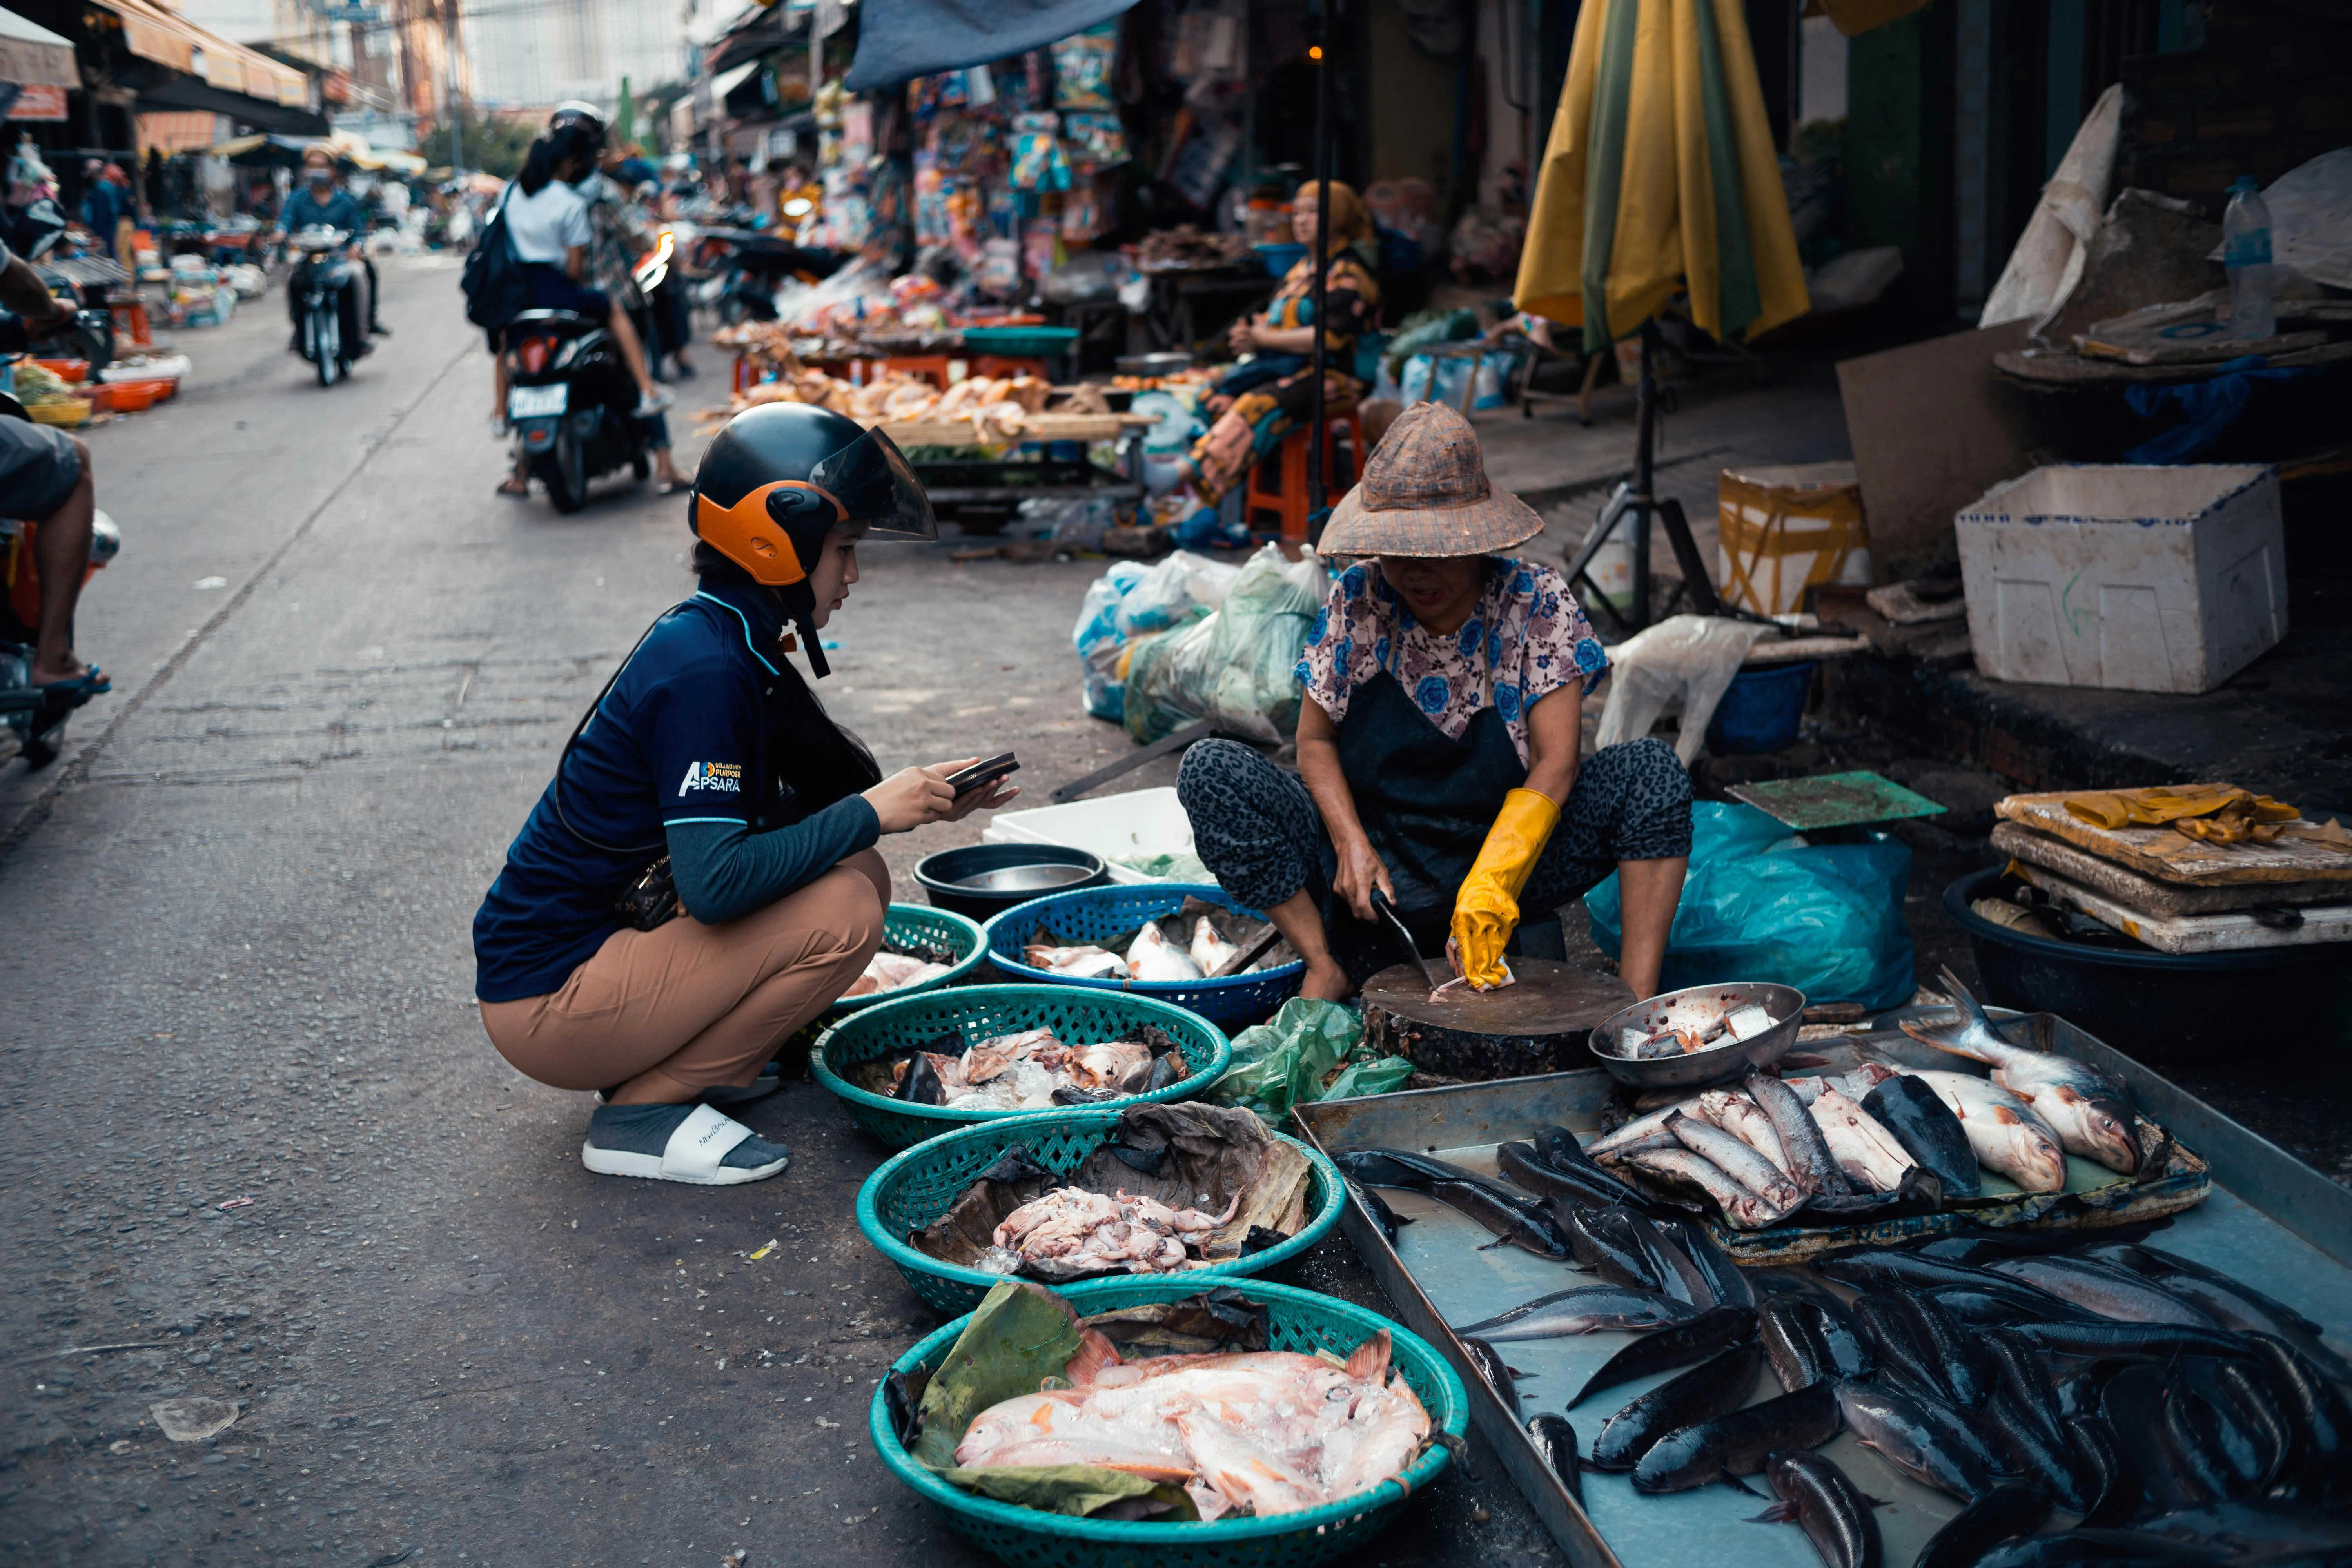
(784, 475)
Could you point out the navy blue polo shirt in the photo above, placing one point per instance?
(684, 736)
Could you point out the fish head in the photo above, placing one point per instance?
(2110, 1128)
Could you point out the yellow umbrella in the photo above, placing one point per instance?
(1661, 175)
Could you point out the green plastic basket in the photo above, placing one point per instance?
(912, 1189)
(960, 934)
(979, 1012)
(1300, 1321)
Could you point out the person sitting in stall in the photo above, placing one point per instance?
(1438, 745)
(321, 201)
(707, 765)
(1264, 397)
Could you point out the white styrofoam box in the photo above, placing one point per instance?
(1141, 822)
(2133, 578)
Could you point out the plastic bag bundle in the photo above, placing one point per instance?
(1171, 589)
(1131, 601)
(1308, 1051)
(1760, 903)
(1235, 666)
(1098, 641)
(1684, 662)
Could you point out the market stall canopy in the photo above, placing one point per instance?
(32, 56)
(899, 40)
(1661, 175)
(727, 82)
(353, 149)
(152, 33)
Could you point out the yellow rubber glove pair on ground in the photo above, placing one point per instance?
(1486, 909)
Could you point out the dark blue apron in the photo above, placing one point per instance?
(1427, 801)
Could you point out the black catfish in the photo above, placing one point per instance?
(1919, 1436)
(1737, 1444)
(2111, 1482)
(1499, 1375)
(1929, 1131)
(1794, 1342)
(1555, 1440)
(1603, 1241)
(1678, 1276)
(1717, 1329)
(1833, 1511)
(1521, 1226)
(1722, 1382)
(1586, 1182)
(1727, 1281)
(2004, 1512)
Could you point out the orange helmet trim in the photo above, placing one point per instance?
(746, 534)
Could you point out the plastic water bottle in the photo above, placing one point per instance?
(2246, 254)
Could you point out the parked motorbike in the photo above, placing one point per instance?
(325, 273)
(744, 268)
(32, 721)
(37, 232)
(571, 403)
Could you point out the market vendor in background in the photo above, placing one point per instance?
(707, 761)
(1260, 401)
(1438, 745)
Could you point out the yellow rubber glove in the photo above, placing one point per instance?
(1486, 909)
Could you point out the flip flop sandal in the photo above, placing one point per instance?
(521, 494)
(93, 682)
(692, 1143)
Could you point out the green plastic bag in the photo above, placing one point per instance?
(1310, 1050)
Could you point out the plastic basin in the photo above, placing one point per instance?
(910, 1190)
(976, 1013)
(1761, 710)
(1301, 1321)
(1008, 874)
(2159, 1007)
(1098, 914)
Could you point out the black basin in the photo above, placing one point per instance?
(985, 879)
(2204, 1008)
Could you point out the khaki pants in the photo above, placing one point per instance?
(659, 1015)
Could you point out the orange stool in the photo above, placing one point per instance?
(131, 321)
(933, 367)
(1286, 499)
(996, 367)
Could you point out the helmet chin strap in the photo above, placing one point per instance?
(799, 611)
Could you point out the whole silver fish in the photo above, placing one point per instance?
(2090, 1112)
(1741, 1162)
(1740, 1207)
(1586, 1311)
(2102, 1288)
(1810, 1164)
(2004, 1132)
(1871, 1157)
(1639, 1128)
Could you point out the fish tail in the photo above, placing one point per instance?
(1962, 998)
(1943, 1036)
(1095, 1354)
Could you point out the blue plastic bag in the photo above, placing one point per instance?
(1760, 904)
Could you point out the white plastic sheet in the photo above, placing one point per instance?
(1683, 664)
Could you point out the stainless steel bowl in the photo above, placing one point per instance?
(1041, 879)
(1699, 1008)
(1164, 363)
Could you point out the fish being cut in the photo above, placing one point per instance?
(2007, 1135)
(2090, 1113)
(1077, 1232)
(1868, 1153)
(1268, 1432)
(1151, 956)
(1209, 949)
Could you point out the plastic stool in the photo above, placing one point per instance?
(1287, 497)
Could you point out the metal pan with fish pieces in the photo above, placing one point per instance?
(1698, 1012)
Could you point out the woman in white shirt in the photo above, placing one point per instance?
(547, 220)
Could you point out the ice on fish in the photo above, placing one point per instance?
(1151, 956)
(1209, 949)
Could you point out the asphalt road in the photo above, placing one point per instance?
(238, 967)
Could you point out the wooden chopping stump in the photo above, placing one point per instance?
(1539, 1026)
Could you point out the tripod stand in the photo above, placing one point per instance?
(1631, 505)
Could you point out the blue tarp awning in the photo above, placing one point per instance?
(899, 39)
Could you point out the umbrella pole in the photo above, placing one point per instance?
(1644, 502)
(1318, 487)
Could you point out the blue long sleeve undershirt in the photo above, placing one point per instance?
(724, 871)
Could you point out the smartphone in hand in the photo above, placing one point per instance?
(983, 773)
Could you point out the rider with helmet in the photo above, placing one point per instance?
(708, 757)
(320, 202)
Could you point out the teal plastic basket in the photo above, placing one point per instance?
(921, 923)
(1098, 914)
(1020, 343)
(976, 1013)
(1300, 1321)
(910, 1190)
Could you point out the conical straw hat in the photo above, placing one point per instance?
(1424, 492)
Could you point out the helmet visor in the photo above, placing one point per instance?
(878, 489)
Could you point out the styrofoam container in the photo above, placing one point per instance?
(2132, 578)
(1140, 822)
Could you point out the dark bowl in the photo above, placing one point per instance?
(983, 880)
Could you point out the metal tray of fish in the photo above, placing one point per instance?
(2265, 1217)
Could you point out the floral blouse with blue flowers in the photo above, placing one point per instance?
(1528, 633)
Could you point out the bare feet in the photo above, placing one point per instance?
(1325, 981)
(515, 485)
(68, 667)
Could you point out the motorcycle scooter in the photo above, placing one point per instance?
(572, 405)
(32, 720)
(323, 274)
